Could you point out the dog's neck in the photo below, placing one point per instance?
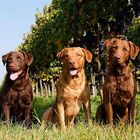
(118, 70)
(20, 83)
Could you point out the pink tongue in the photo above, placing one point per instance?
(14, 76)
(73, 72)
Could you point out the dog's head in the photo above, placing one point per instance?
(16, 62)
(74, 58)
(120, 50)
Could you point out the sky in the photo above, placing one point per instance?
(16, 18)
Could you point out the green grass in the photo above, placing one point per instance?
(80, 131)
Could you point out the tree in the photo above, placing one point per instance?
(76, 22)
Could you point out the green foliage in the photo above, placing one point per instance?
(63, 20)
(40, 104)
(138, 107)
(134, 31)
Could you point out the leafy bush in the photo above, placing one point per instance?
(40, 104)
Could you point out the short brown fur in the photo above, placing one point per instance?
(119, 89)
(16, 94)
(71, 90)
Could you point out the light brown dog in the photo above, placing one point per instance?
(72, 89)
(119, 89)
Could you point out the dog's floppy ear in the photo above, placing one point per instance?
(88, 55)
(60, 54)
(28, 58)
(5, 58)
(107, 43)
(134, 50)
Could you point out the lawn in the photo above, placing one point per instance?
(80, 131)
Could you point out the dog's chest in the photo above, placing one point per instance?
(72, 94)
(121, 89)
(70, 90)
(18, 98)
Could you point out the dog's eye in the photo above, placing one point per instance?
(9, 60)
(18, 58)
(114, 47)
(66, 55)
(78, 54)
(124, 49)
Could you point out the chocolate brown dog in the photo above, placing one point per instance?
(16, 94)
(119, 89)
(72, 89)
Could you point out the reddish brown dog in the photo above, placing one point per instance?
(72, 89)
(119, 89)
(16, 94)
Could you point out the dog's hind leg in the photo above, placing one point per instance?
(100, 114)
(87, 110)
(47, 117)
